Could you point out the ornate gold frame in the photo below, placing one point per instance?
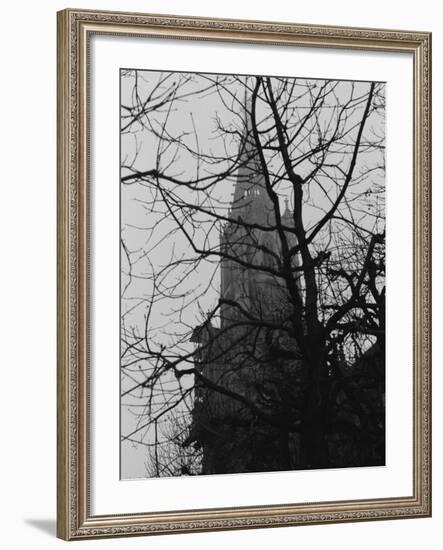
(74, 518)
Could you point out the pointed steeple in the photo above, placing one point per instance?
(287, 214)
(250, 200)
(286, 206)
(249, 168)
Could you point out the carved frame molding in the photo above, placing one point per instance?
(75, 28)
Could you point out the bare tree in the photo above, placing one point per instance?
(269, 304)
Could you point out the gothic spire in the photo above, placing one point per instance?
(250, 200)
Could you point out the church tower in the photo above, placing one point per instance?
(239, 356)
(251, 236)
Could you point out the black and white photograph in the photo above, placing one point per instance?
(252, 274)
(217, 281)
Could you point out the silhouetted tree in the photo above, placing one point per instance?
(319, 145)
